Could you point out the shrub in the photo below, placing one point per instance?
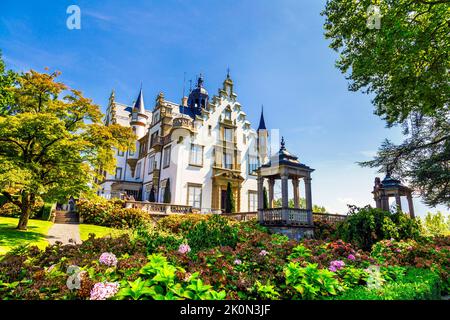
(215, 231)
(180, 222)
(106, 213)
(324, 229)
(366, 226)
(417, 284)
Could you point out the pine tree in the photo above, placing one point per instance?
(266, 199)
(229, 205)
(167, 194)
(151, 196)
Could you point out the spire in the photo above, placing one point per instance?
(200, 81)
(262, 123)
(139, 104)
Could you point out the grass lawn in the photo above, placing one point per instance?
(35, 235)
(100, 232)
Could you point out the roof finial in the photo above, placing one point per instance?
(228, 73)
(283, 146)
(200, 81)
(262, 123)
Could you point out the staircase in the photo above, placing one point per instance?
(66, 217)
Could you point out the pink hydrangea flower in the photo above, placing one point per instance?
(351, 257)
(108, 258)
(184, 248)
(237, 261)
(336, 265)
(104, 290)
(263, 253)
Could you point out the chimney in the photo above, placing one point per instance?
(184, 101)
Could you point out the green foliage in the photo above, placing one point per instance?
(7, 80)
(216, 231)
(300, 251)
(365, 226)
(46, 210)
(155, 239)
(229, 201)
(266, 291)
(416, 284)
(310, 282)
(159, 281)
(435, 224)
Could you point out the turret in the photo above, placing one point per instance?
(263, 136)
(138, 116)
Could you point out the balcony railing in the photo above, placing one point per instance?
(159, 208)
(183, 123)
(286, 217)
(329, 217)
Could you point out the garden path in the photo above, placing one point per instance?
(67, 233)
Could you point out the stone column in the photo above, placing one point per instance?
(398, 201)
(308, 196)
(296, 193)
(410, 205)
(260, 199)
(271, 186)
(284, 191)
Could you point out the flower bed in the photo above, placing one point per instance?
(216, 258)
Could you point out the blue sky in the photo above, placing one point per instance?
(276, 51)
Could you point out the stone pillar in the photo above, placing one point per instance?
(271, 186)
(284, 191)
(308, 196)
(410, 205)
(296, 193)
(260, 199)
(398, 201)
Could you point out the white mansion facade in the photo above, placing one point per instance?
(187, 153)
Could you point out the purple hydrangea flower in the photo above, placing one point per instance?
(263, 253)
(237, 261)
(108, 258)
(104, 290)
(351, 257)
(336, 265)
(184, 248)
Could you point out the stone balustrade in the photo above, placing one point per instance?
(159, 208)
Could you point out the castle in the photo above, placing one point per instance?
(188, 153)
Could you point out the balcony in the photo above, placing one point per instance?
(286, 217)
(183, 123)
(158, 141)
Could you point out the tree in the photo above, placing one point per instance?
(266, 199)
(53, 143)
(7, 79)
(229, 204)
(404, 64)
(434, 224)
(151, 196)
(167, 194)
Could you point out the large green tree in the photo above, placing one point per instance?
(404, 64)
(7, 79)
(53, 143)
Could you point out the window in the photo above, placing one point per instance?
(244, 139)
(156, 117)
(209, 130)
(151, 164)
(252, 164)
(252, 201)
(120, 153)
(228, 114)
(196, 156)
(153, 138)
(118, 173)
(138, 171)
(195, 196)
(228, 160)
(166, 157)
(228, 134)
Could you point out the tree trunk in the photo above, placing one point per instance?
(26, 211)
